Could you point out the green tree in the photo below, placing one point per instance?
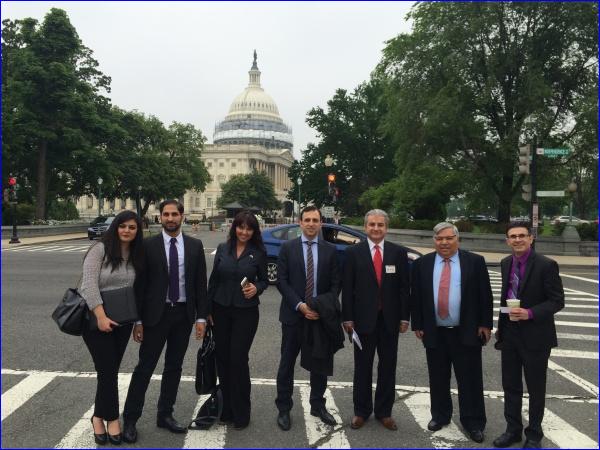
(473, 81)
(350, 132)
(53, 109)
(253, 189)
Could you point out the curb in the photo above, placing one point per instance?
(25, 244)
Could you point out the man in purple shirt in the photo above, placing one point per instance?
(527, 333)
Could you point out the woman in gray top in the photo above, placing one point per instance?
(110, 264)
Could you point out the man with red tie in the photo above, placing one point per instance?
(375, 305)
(452, 313)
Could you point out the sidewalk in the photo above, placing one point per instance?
(491, 258)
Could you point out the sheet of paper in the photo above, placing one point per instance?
(356, 339)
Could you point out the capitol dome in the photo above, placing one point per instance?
(253, 118)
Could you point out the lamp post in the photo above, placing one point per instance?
(329, 162)
(299, 182)
(572, 188)
(139, 201)
(570, 232)
(100, 180)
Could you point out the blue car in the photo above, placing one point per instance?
(339, 235)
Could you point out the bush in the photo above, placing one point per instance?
(25, 214)
(63, 210)
(495, 228)
(588, 231)
(352, 221)
(464, 226)
(404, 224)
(558, 229)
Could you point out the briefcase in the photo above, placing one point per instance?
(119, 305)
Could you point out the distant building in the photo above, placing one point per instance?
(252, 136)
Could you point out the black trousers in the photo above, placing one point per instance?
(291, 339)
(386, 345)
(173, 329)
(517, 360)
(234, 330)
(107, 351)
(466, 360)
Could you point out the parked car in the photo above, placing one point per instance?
(565, 219)
(98, 226)
(480, 218)
(339, 235)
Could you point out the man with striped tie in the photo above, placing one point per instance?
(527, 333)
(452, 313)
(306, 268)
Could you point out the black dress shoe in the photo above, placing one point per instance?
(284, 421)
(101, 438)
(129, 434)
(170, 424)
(435, 426)
(115, 439)
(476, 435)
(323, 414)
(532, 444)
(507, 439)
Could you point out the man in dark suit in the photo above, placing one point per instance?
(452, 313)
(375, 304)
(527, 333)
(306, 268)
(171, 297)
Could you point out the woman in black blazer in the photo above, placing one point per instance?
(234, 312)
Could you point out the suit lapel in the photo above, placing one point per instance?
(428, 264)
(388, 260)
(300, 255)
(162, 255)
(528, 267)
(187, 256)
(506, 263)
(464, 266)
(366, 250)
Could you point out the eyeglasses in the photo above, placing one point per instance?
(444, 238)
(517, 236)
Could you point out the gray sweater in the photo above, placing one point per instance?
(98, 276)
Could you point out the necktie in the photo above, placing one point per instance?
(310, 272)
(516, 279)
(444, 290)
(378, 264)
(173, 272)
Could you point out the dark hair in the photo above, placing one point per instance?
(246, 217)
(112, 243)
(171, 202)
(512, 225)
(311, 208)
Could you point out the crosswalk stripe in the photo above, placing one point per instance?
(574, 354)
(567, 306)
(320, 434)
(51, 247)
(419, 407)
(564, 323)
(560, 432)
(24, 247)
(17, 395)
(584, 384)
(578, 337)
(80, 435)
(214, 437)
(579, 278)
(568, 313)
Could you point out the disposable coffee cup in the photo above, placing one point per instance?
(513, 303)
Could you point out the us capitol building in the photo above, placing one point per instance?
(252, 136)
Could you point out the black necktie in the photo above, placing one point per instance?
(310, 272)
(173, 272)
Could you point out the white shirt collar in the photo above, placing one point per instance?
(167, 238)
(315, 240)
(372, 244)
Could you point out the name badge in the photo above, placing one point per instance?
(390, 269)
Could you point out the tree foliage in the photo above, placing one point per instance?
(473, 81)
(253, 189)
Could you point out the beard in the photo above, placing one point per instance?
(171, 226)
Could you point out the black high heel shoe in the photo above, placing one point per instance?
(100, 439)
(115, 439)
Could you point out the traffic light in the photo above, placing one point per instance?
(526, 194)
(12, 188)
(331, 184)
(524, 159)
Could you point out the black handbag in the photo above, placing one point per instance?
(119, 305)
(209, 412)
(71, 314)
(206, 364)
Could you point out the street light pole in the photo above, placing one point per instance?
(299, 181)
(139, 201)
(100, 180)
(572, 189)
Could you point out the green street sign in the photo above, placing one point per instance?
(553, 152)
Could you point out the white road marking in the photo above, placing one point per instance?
(577, 291)
(573, 354)
(316, 430)
(214, 437)
(50, 247)
(584, 384)
(568, 313)
(568, 305)
(17, 395)
(567, 324)
(560, 432)
(22, 247)
(448, 437)
(80, 435)
(578, 337)
(579, 278)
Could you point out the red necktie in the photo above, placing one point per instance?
(444, 290)
(378, 264)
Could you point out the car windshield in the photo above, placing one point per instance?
(98, 220)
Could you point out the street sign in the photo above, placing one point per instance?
(328, 211)
(553, 152)
(550, 193)
(535, 216)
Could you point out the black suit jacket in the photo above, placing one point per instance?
(291, 276)
(153, 285)
(476, 301)
(541, 291)
(361, 292)
(228, 271)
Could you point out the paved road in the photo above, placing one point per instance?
(48, 378)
